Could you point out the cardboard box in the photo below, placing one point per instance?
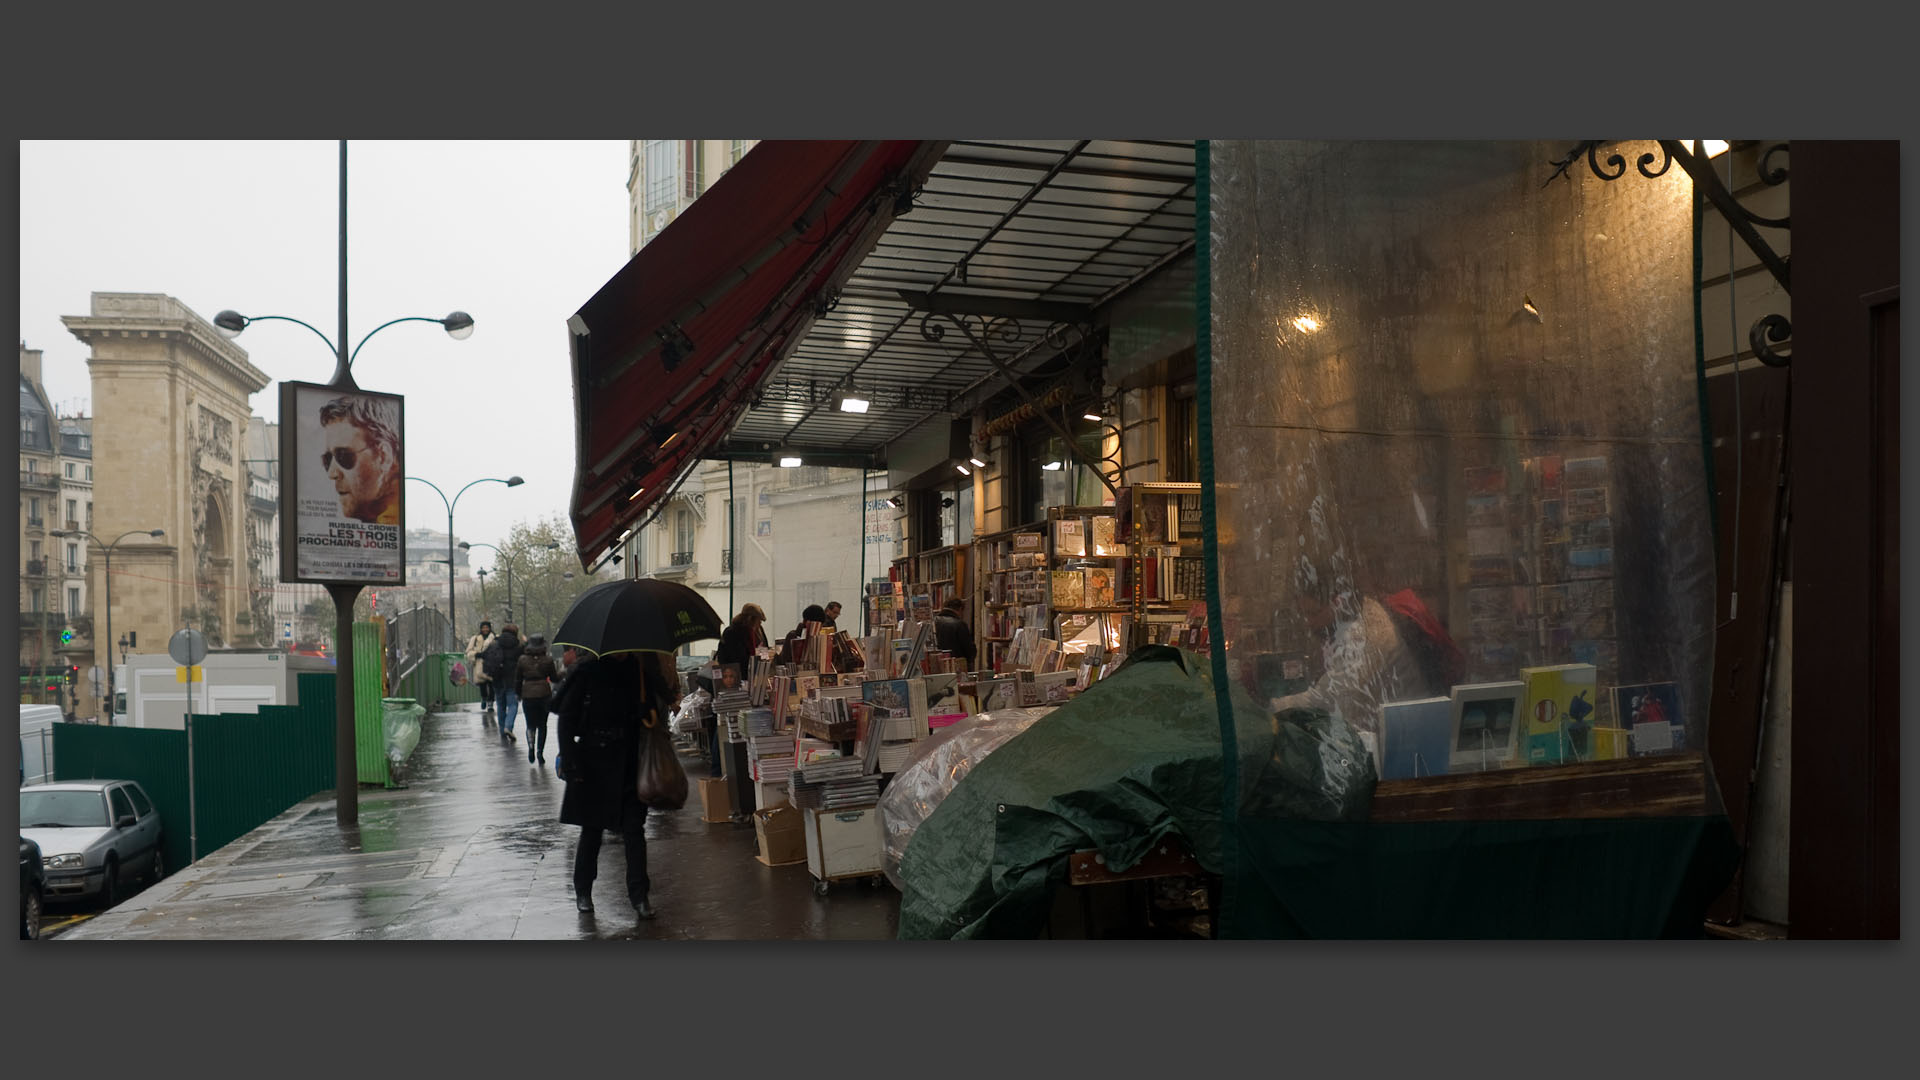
(716, 798)
(781, 836)
(767, 796)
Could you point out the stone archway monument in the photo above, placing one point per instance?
(170, 400)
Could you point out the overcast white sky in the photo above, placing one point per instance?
(516, 234)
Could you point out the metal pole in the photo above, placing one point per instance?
(193, 798)
(346, 779)
(861, 581)
(109, 589)
(453, 632)
(733, 541)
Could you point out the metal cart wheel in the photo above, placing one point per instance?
(820, 888)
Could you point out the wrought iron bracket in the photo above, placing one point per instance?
(1770, 330)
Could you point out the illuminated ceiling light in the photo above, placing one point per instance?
(1306, 324)
(789, 461)
(977, 463)
(664, 443)
(637, 492)
(853, 403)
(1052, 466)
(896, 502)
(963, 470)
(1095, 417)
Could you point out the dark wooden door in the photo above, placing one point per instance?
(1843, 877)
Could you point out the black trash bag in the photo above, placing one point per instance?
(1319, 771)
(662, 784)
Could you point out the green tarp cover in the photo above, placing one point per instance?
(1137, 757)
(1118, 768)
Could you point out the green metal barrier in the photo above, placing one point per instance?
(370, 737)
(247, 769)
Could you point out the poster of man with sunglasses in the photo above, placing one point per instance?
(341, 475)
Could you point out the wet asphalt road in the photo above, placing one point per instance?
(472, 849)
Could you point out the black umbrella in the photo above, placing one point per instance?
(637, 615)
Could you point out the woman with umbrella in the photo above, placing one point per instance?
(612, 704)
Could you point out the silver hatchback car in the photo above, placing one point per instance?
(94, 836)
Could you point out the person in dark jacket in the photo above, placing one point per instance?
(502, 660)
(951, 632)
(812, 613)
(737, 644)
(535, 677)
(605, 704)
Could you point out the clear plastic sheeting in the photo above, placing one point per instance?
(1455, 421)
(936, 764)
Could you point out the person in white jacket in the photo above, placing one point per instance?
(476, 645)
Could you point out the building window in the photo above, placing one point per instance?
(682, 535)
(34, 550)
(34, 599)
(33, 508)
(737, 150)
(660, 174)
(73, 512)
(69, 470)
(89, 480)
(73, 600)
(73, 556)
(696, 168)
(29, 427)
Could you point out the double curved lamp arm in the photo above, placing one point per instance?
(459, 326)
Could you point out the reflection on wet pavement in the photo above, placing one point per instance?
(473, 849)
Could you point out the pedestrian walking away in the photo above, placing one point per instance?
(606, 701)
(502, 663)
(535, 679)
(476, 648)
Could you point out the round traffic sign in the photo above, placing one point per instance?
(187, 647)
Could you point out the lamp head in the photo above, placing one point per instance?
(229, 323)
(57, 532)
(465, 546)
(157, 532)
(459, 325)
(514, 481)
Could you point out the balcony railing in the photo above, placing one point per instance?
(36, 523)
(682, 558)
(36, 567)
(72, 525)
(32, 479)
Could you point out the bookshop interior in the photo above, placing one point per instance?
(1440, 449)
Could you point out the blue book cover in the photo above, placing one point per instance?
(1415, 737)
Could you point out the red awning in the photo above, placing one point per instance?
(667, 354)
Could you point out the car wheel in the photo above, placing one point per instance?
(110, 885)
(30, 914)
(157, 869)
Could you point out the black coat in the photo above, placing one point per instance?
(502, 659)
(737, 643)
(951, 634)
(601, 706)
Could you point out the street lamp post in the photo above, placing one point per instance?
(508, 560)
(459, 326)
(107, 549)
(453, 629)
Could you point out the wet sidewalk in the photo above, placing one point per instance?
(472, 849)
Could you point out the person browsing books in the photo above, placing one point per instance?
(1379, 650)
(951, 632)
(832, 613)
(739, 643)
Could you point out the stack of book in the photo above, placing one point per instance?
(770, 758)
(864, 791)
(760, 721)
(835, 782)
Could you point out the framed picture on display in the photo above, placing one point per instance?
(1486, 725)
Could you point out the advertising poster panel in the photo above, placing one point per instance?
(342, 513)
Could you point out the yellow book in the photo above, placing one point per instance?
(1559, 713)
